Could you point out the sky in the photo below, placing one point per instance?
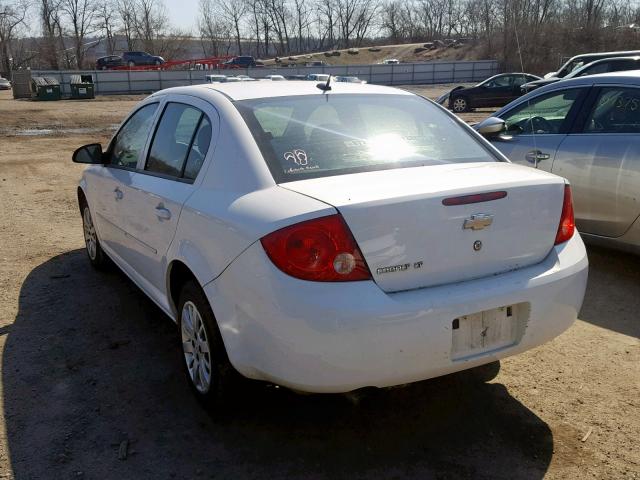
(182, 13)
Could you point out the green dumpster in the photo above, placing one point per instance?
(82, 86)
(45, 88)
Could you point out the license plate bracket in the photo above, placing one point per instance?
(483, 332)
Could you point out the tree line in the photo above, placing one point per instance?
(528, 34)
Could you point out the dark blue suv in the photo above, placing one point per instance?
(135, 59)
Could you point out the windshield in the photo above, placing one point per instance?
(320, 135)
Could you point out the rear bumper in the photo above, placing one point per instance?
(337, 337)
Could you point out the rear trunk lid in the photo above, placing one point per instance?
(411, 239)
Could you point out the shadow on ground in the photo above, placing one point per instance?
(612, 300)
(90, 362)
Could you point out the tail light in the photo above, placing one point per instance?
(567, 225)
(321, 250)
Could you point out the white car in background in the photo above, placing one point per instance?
(275, 78)
(345, 79)
(328, 240)
(215, 78)
(318, 77)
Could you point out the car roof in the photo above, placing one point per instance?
(627, 77)
(622, 53)
(252, 90)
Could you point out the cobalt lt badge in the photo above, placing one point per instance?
(477, 245)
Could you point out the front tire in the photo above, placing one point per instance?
(94, 251)
(211, 376)
(460, 104)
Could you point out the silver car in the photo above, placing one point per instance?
(587, 130)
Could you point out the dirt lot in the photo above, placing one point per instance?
(89, 363)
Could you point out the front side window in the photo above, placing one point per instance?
(542, 115)
(178, 137)
(132, 137)
(616, 110)
(311, 136)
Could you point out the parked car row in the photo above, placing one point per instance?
(501, 89)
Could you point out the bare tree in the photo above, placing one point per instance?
(11, 19)
(213, 31)
(81, 16)
(233, 12)
(52, 41)
(127, 17)
(151, 22)
(106, 22)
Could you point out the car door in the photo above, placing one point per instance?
(536, 127)
(108, 185)
(602, 161)
(165, 180)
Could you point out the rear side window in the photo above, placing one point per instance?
(198, 149)
(616, 110)
(311, 136)
(181, 140)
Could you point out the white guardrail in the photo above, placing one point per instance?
(143, 81)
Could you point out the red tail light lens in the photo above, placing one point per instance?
(321, 250)
(567, 225)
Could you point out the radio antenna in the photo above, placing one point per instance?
(325, 87)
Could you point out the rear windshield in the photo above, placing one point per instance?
(320, 135)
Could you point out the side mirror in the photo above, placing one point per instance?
(491, 127)
(91, 154)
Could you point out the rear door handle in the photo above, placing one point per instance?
(534, 156)
(118, 193)
(163, 213)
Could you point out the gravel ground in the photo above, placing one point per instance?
(90, 367)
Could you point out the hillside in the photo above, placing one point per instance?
(405, 53)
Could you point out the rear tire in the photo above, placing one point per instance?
(211, 376)
(94, 251)
(460, 104)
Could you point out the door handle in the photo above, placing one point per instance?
(535, 156)
(118, 193)
(163, 213)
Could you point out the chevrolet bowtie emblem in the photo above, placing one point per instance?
(478, 221)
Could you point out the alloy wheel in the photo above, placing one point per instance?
(195, 346)
(459, 105)
(90, 237)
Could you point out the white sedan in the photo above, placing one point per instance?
(330, 239)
